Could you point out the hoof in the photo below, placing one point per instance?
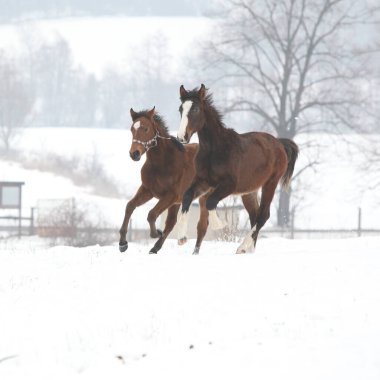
(242, 250)
(247, 245)
(156, 234)
(123, 246)
(182, 240)
(196, 251)
(153, 251)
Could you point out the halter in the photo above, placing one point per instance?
(151, 143)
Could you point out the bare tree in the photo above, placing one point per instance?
(292, 64)
(15, 101)
(370, 145)
(151, 84)
(113, 99)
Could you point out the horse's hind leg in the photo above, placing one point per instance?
(262, 215)
(170, 222)
(251, 204)
(202, 224)
(142, 196)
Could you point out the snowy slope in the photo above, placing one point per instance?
(294, 310)
(328, 197)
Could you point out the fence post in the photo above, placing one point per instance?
(31, 229)
(292, 225)
(360, 221)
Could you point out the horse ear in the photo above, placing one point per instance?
(133, 114)
(151, 113)
(182, 91)
(202, 92)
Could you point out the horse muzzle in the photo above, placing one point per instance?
(135, 155)
(183, 140)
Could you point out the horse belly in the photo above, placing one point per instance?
(251, 180)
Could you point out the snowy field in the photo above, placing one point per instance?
(328, 196)
(294, 310)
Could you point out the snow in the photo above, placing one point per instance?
(293, 310)
(296, 309)
(111, 147)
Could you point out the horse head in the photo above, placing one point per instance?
(144, 133)
(192, 111)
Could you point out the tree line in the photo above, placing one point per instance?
(289, 67)
(44, 87)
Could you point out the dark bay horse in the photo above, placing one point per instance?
(167, 172)
(233, 163)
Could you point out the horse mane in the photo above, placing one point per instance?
(215, 115)
(162, 128)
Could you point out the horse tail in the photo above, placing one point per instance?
(292, 150)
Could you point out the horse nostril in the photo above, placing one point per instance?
(135, 155)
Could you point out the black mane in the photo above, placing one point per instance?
(227, 137)
(217, 116)
(163, 129)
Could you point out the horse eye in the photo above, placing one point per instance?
(196, 109)
(145, 130)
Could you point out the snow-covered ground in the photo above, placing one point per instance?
(299, 309)
(296, 309)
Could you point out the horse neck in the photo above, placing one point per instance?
(162, 153)
(213, 130)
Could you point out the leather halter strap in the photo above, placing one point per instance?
(151, 143)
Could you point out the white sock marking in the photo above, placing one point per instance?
(247, 244)
(184, 120)
(215, 222)
(182, 225)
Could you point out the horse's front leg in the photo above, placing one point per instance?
(197, 188)
(155, 212)
(142, 196)
(222, 190)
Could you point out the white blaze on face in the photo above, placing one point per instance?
(184, 120)
(136, 125)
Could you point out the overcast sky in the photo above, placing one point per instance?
(13, 10)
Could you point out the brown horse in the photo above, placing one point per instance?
(233, 163)
(167, 172)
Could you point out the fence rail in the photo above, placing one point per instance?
(20, 229)
(143, 234)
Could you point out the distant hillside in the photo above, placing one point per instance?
(15, 10)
